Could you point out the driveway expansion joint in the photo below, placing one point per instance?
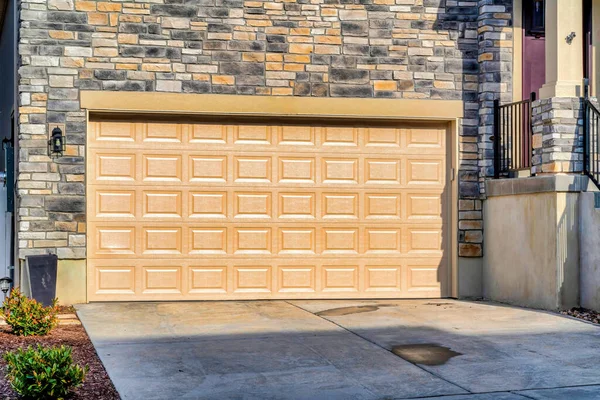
(381, 347)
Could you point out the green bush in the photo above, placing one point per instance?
(43, 373)
(27, 317)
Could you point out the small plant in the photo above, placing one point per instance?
(43, 373)
(27, 317)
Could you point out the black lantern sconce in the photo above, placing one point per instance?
(5, 284)
(57, 143)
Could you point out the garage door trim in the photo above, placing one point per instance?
(240, 105)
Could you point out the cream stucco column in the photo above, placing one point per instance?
(564, 60)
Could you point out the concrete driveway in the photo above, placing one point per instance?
(343, 350)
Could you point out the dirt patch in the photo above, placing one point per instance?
(66, 309)
(425, 353)
(584, 314)
(97, 384)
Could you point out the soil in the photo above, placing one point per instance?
(97, 384)
(66, 309)
(584, 313)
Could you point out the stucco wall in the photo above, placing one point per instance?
(532, 250)
(590, 251)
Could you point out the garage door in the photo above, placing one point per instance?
(248, 210)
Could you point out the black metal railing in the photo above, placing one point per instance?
(513, 132)
(591, 142)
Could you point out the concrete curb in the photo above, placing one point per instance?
(63, 319)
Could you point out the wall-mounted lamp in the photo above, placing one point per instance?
(5, 284)
(57, 143)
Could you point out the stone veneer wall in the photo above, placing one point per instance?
(411, 49)
(558, 135)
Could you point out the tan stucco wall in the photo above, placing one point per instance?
(590, 252)
(532, 250)
(469, 278)
(71, 282)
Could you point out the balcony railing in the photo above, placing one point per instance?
(591, 142)
(513, 148)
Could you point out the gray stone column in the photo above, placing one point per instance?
(558, 135)
(494, 28)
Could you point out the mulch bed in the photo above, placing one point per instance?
(584, 313)
(97, 384)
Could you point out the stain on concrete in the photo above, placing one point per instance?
(335, 312)
(425, 353)
(438, 304)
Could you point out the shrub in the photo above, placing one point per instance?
(43, 373)
(27, 317)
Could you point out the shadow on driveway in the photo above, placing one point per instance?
(326, 349)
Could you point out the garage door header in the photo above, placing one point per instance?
(216, 104)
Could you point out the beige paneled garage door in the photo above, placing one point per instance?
(255, 211)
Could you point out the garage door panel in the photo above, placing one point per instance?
(426, 240)
(113, 167)
(383, 206)
(424, 205)
(206, 134)
(256, 240)
(162, 133)
(162, 240)
(161, 168)
(426, 140)
(382, 240)
(208, 279)
(338, 170)
(112, 203)
(293, 135)
(383, 137)
(424, 275)
(162, 280)
(206, 168)
(208, 240)
(114, 240)
(342, 136)
(381, 171)
(387, 278)
(253, 134)
(340, 205)
(252, 169)
(297, 240)
(255, 205)
(207, 204)
(125, 280)
(108, 132)
(162, 204)
(299, 170)
(297, 205)
(299, 278)
(359, 139)
(254, 211)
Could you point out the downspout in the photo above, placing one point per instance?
(15, 272)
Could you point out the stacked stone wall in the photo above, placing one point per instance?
(401, 49)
